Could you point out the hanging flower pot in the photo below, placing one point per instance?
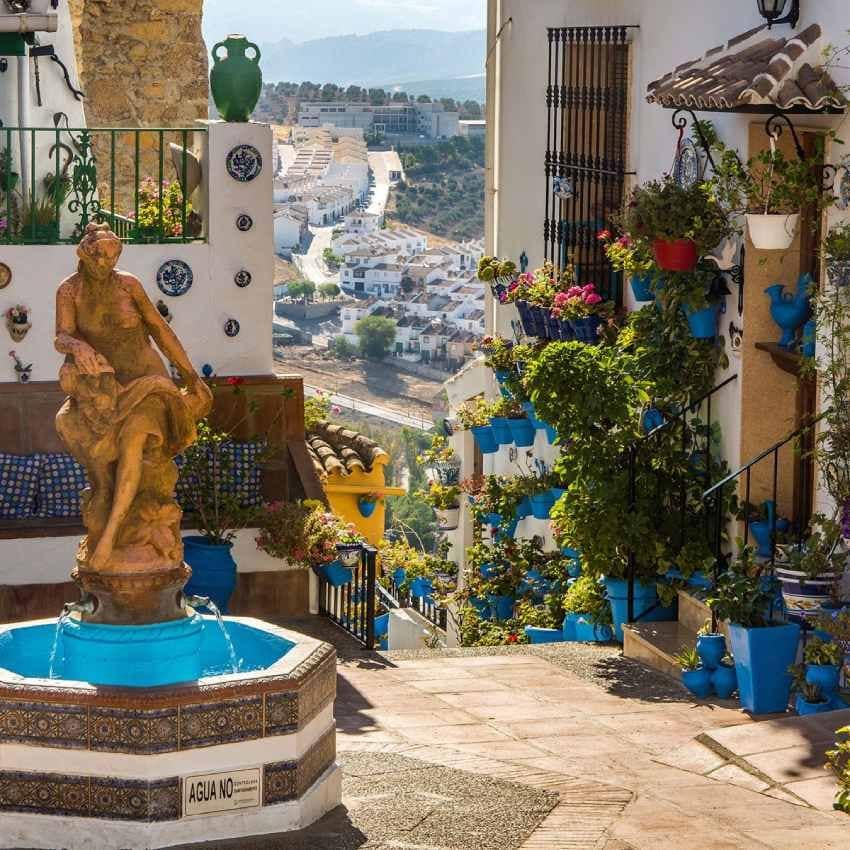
(703, 323)
(422, 588)
(522, 432)
(448, 519)
(586, 330)
(523, 509)
(527, 319)
(399, 575)
(772, 232)
(530, 412)
(676, 255)
(349, 553)
(542, 504)
(538, 319)
(501, 430)
(337, 575)
(486, 439)
(367, 504)
(641, 289)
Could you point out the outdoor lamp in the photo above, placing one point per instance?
(774, 10)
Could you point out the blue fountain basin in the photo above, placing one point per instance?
(138, 656)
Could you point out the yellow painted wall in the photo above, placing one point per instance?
(343, 492)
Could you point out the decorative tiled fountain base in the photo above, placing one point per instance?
(84, 767)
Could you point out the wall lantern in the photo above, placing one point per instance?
(773, 11)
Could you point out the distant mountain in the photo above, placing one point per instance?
(459, 88)
(401, 56)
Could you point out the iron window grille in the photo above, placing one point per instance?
(587, 101)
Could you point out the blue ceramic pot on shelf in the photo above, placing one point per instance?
(586, 330)
(703, 323)
(485, 439)
(641, 289)
(501, 430)
(522, 432)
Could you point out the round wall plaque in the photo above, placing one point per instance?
(174, 278)
(242, 278)
(231, 327)
(5, 275)
(244, 222)
(244, 163)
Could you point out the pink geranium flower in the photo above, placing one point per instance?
(593, 298)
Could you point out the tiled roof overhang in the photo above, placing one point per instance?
(759, 70)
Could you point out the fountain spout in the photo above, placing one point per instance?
(193, 601)
(86, 605)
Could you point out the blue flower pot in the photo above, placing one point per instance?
(213, 570)
(762, 658)
(366, 507)
(579, 627)
(640, 287)
(534, 583)
(551, 433)
(760, 529)
(492, 519)
(703, 323)
(803, 707)
(565, 330)
(336, 575)
(382, 626)
(617, 590)
(523, 509)
(522, 432)
(399, 575)
(724, 680)
(557, 492)
(501, 430)
(542, 504)
(574, 569)
(481, 607)
(422, 588)
(698, 682)
(501, 607)
(531, 413)
(486, 439)
(488, 570)
(825, 676)
(537, 634)
(711, 649)
(810, 330)
(506, 531)
(652, 419)
(586, 330)
(502, 376)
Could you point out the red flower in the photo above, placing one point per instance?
(603, 235)
(235, 381)
(512, 637)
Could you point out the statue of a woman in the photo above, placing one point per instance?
(124, 419)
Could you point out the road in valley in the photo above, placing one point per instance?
(312, 264)
(378, 411)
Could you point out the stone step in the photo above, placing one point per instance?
(693, 612)
(656, 644)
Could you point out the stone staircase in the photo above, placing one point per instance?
(656, 644)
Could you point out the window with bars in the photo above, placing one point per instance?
(587, 102)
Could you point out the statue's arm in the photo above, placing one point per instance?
(67, 341)
(165, 338)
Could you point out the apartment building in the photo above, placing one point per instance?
(429, 120)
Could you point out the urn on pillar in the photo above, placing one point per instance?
(235, 79)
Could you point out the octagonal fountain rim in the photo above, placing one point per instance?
(304, 655)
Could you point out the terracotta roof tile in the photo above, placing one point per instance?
(757, 68)
(335, 448)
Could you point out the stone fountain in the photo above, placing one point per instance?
(133, 721)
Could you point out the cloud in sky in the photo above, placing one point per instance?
(302, 20)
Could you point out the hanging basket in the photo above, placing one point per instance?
(677, 255)
(772, 232)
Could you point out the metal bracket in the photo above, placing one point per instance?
(773, 128)
(680, 122)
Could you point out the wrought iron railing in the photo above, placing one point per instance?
(353, 606)
(56, 180)
(432, 612)
(691, 450)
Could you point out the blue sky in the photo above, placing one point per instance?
(301, 20)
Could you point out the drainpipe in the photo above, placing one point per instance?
(24, 120)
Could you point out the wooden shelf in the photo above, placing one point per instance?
(789, 361)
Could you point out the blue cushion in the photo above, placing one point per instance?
(18, 485)
(61, 480)
(243, 476)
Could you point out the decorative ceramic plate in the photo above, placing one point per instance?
(843, 193)
(5, 275)
(174, 278)
(242, 278)
(231, 327)
(244, 163)
(688, 168)
(244, 222)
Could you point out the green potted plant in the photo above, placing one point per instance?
(682, 222)
(281, 531)
(584, 308)
(823, 660)
(587, 614)
(8, 175)
(838, 759)
(349, 544)
(541, 621)
(445, 499)
(836, 254)
(498, 273)
(634, 258)
(441, 460)
(695, 677)
(763, 648)
(475, 415)
(498, 356)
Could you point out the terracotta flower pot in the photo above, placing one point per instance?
(678, 255)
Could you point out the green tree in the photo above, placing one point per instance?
(328, 290)
(342, 349)
(376, 335)
(409, 512)
(301, 289)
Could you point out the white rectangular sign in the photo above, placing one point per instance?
(207, 793)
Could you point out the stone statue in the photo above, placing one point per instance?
(124, 420)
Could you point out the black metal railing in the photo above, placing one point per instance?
(799, 445)
(587, 100)
(693, 447)
(353, 606)
(432, 612)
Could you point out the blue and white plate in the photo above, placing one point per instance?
(244, 163)
(242, 278)
(231, 327)
(174, 278)
(244, 222)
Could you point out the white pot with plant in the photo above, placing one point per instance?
(836, 254)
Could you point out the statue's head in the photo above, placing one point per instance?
(99, 250)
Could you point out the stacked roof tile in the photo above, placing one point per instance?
(335, 448)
